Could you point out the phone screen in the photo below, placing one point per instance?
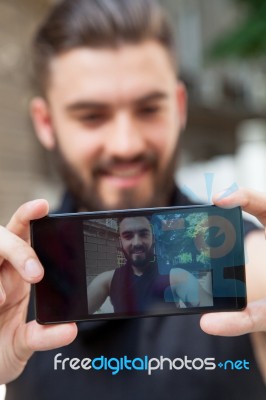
(138, 263)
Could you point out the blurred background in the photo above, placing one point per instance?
(222, 49)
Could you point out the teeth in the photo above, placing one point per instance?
(126, 173)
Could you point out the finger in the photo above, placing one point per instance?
(252, 319)
(251, 201)
(20, 255)
(2, 294)
(34, 337)
(19, 223)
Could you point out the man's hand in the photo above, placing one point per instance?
(253, 318)
(20, 267)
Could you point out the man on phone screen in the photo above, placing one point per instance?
(137, 287)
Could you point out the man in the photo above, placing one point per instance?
(137, 287)
(131, 286)
(112, 109)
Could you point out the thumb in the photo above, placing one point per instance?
(252, 319)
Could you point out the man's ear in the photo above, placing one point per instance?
(181, 96)
(42, 122)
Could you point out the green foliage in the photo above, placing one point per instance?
(196, 225)
(185, 258)
(252, 4)
(248, 40)
(203, 257)
(185, 245)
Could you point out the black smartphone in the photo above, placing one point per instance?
(142, 262)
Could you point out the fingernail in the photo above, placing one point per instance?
(227, 192)
(33, 268)
(2, 294)
(32, 203)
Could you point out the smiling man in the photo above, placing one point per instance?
(137, 242)
(111, 108)
(137, 287)
(132, 286)
(116, 134)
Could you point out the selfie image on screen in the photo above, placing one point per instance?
(135, 263)
(155, 263)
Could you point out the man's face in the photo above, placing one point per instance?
(115, 117)
(136, 240)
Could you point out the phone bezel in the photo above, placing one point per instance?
(241, 302)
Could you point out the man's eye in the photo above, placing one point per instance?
(145, 235)
(149, 110)
(93, 118)
(128, 236)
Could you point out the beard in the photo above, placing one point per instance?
(87, 196)
(140, 262)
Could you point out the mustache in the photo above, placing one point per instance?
(138, 247)
(149, 160)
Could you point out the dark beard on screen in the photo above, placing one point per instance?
(141, 264)
(87, 198)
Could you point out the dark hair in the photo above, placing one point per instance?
(98, 24)
(120, 219)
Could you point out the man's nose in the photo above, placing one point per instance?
(136, 240)
(126, 141)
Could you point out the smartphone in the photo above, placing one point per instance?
(138, 263)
